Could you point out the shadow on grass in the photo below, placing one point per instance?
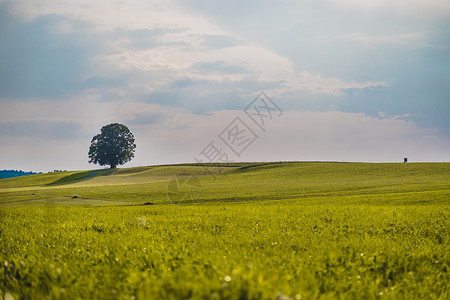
(77, 177)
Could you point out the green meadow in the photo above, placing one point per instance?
(299, 230)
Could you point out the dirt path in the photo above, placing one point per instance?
(91, 175)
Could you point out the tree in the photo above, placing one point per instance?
(113, 146)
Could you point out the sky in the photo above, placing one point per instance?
(342, 80)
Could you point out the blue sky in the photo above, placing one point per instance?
(356, 80)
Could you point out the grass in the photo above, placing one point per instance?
(257, 231)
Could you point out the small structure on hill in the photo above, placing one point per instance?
(405, 159)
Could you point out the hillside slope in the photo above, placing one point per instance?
(306, 181)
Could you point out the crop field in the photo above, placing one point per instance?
(228, 231)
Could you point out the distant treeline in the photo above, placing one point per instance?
(14, 173)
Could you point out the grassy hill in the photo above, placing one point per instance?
(239, 231)
(335, 182)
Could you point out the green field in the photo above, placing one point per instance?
(254, 231)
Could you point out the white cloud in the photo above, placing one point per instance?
(417, 8)
(90, 113)
(132, 14)
(399, 39)
(180, 46)
(257, 64)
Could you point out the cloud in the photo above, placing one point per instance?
(38, 61)
(148, 118)
(408, 38)
(178, 67)
(418, 8)
(217, 67)
(88, 115)
(220, 41)
(40, 129)
(132, 14)
(161, 118)
(144, 38)
(411, 40)
(132, 59)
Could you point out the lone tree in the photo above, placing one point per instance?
(113, 146)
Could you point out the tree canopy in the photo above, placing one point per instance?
(113, 146)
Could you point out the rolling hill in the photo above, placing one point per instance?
(306, 181)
